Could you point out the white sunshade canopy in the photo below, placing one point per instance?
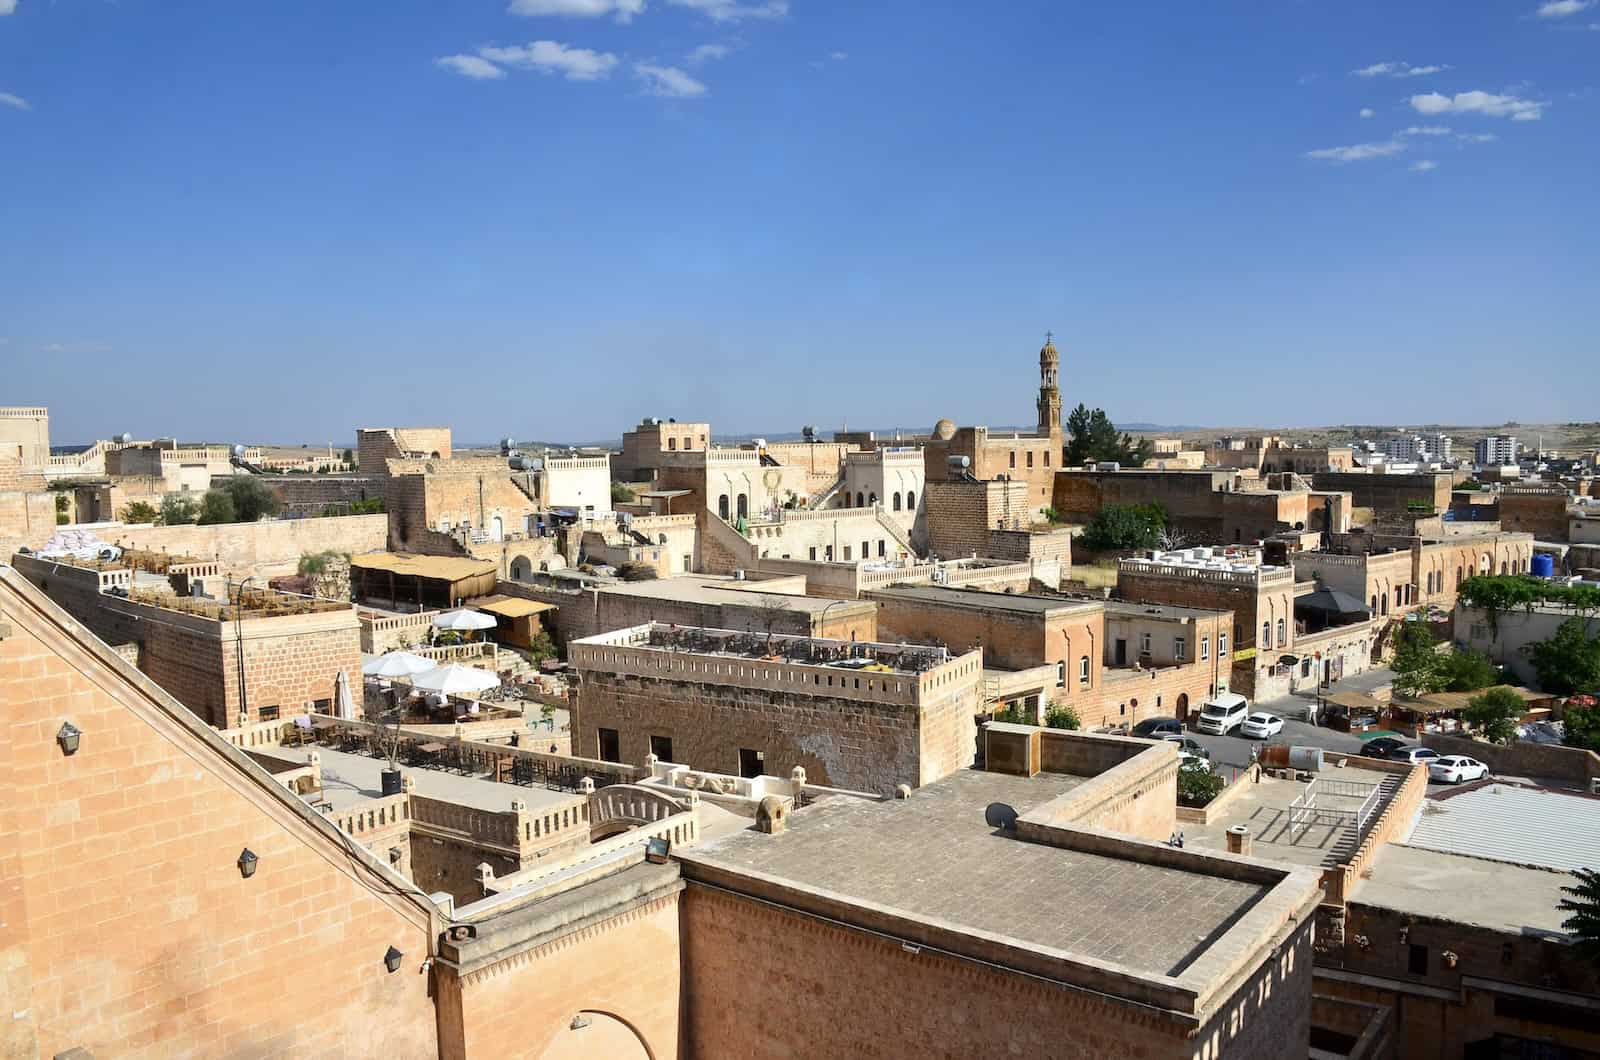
(398, 664)
(464, 619)
(455, 679)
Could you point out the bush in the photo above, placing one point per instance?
(636, 572)
(621, 494)
(1198, 784)
(1016, 714)
(178, 509)
(216, 507)
(1125, 526)
(1062, 718)
(1569, 661)
(140, 512)
(1496, 712)
(241, 499)
(1582, 724)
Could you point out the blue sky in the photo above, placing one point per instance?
(279, 222)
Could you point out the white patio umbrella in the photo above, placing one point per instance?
(455, 679)
(398, 664)
(464, 620)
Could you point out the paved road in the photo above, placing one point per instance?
(1235, 750)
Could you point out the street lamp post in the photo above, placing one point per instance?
(238, 646)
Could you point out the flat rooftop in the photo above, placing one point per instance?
(1323, 842)
(864, 656)
(348, 779)
(698, 589)
(1491, 894)
(1131, 609)
(981, 600)
(933, 858)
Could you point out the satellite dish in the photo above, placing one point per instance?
(1000, 815)
(238, 451)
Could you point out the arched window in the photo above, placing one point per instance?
(1458, 577)
(1061, 672)
(872, 500)
(1083, 670)
(861, 499)
(1266, 634)
(722, 506)
(1283, 639)
(911, 501)
(1503, 568)
(672, 444)
(1373, 607)
(896, 501)
(744, 505)
(1386, 603)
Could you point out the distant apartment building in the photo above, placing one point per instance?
(1441, 446)
(860, 715)
(1496, 450)
(1412, 448)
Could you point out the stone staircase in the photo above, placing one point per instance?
(896, 531)
(825, 498)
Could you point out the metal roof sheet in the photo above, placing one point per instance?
(1528, 826)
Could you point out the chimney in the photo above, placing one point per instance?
(1239, 840)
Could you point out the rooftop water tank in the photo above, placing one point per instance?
(1544, 565)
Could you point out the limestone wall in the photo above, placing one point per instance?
(265, 549)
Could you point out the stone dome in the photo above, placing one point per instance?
(944, 430)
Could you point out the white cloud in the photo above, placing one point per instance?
(8, 7)
(1367, 112)
(553, 57)
(471, 66)
(1488, 103)
(17, 102)
(838, 57)
(1424, 166)
(624, 10)
(707, 52)
(1563, 8)
(668, 81)
(1358, 152)
(733, 11)
(1477, 138)
(1398, 69)
(1426, 130)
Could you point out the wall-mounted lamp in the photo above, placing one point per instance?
(391, 959)
(579, 1022)
(68, 737)
(247, 863)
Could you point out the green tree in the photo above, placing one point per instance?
(1125, 526)
(348, 457)
(63, 509)
(1468, 670)
(621, 494)
(1062, 717)
(1418, 667)
(1582, 906)
(1495, 712)
(1582, 725)
(252, 499)
(177, 509)
(1092, 436)
(140, 512)
(216, 507)
(1198, 783)
(1015, 714)
(367, 506)
(1569, 661)
(540, 646)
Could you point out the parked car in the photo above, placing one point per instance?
(1259, 726)
(1156, 728)
(1223, 713)
(1187, 744)
(1453, 769)
(1383, 747)
(1186, 760)
(1417, 756)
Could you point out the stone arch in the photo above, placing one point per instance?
(911, 500)
(722, 506)
(594, 1032)
(744, 506)
(521, 569)
(896, 500)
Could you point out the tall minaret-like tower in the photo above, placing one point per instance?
(1049, 392)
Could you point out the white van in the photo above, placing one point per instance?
(1223, 713)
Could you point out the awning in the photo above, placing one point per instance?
(1439, 702)
(511, 606)
(1353, 701)
(1331, 602)
(443, 568)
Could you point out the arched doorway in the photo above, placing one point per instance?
(521, 569)
(722, 506)
(591, 1034)
(744, 506)
(1182, 706)
(497, 529)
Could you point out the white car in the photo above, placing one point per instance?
(1260, 726)
(1417, 756)
(1223, 713)
(1453, 769)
